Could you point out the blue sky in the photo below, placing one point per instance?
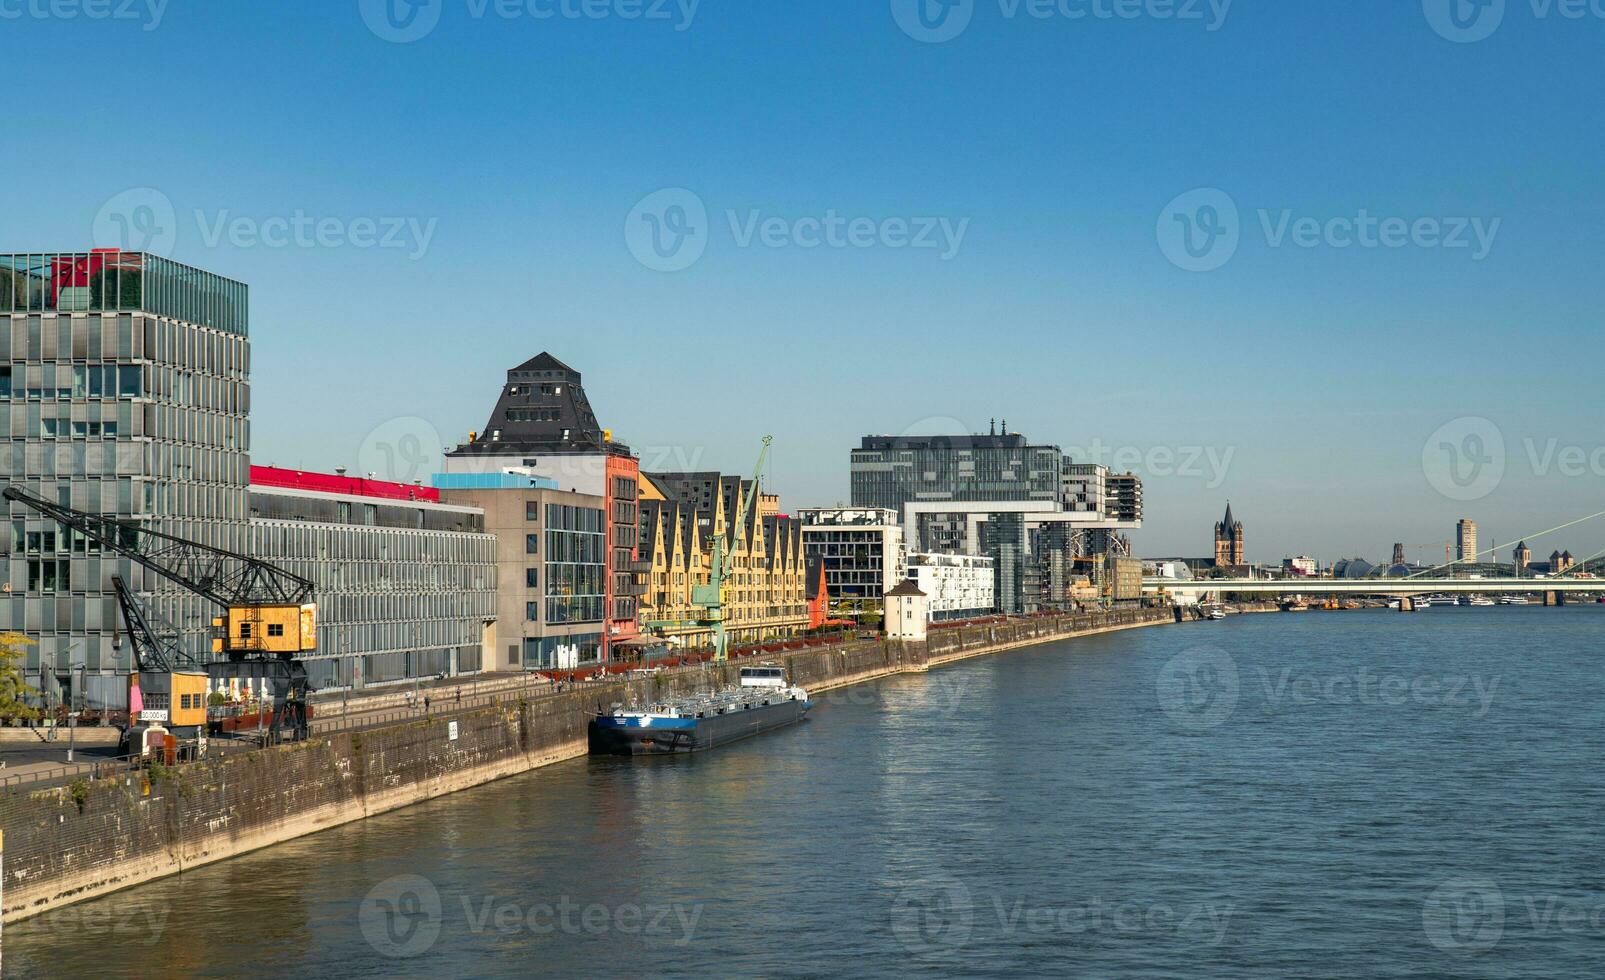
(512, 152)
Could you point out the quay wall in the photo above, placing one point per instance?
(70, 843)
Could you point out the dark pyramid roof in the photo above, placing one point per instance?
(1566, 554)
(1229, 522)
(541, 409)
(906, 587)
(544, 361)
(1522, 546)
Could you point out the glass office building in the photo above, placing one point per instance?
(123, 389)
(895, 471)
(405, 588)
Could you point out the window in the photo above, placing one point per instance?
(245, 631)
(275, 629)
(532, 544)
(532, 510)
(532, 577)
(5, 382)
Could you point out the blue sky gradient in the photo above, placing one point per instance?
(524, 143)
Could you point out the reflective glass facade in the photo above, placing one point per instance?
(108, 280)
(404, 590)
(110, 402)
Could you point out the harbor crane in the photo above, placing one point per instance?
(269, 622)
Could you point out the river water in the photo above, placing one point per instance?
(1364, 794)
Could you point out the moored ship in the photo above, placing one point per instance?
(764, 701)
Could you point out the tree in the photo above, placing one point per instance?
(14, 691)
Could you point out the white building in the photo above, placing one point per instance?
(956, 586)
(1300, 565)
(907, 613)
(860, 547)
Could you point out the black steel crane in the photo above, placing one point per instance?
(269, 617)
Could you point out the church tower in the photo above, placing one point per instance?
(1229, 540)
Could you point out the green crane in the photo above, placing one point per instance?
(713, 596)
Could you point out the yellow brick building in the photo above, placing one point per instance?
(681, 515)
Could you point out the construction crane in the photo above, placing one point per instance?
(714, 597)
(269, 622)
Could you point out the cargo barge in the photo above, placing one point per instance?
(763, 702)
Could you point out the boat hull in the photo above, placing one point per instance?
(609, 735)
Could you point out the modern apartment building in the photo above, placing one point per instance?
(956, 586)
(406, 585)
(543, 426)
(861, 551)
(682, 514)
(124, 389)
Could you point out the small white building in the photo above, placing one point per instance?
(956, 586)
(906, 613)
